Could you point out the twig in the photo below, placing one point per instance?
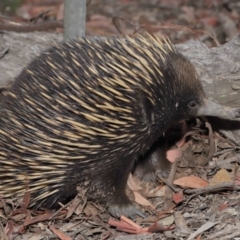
(14, 27)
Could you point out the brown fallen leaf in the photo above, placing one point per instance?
(141, 200)
(60, 234)
(178, 197)
(133, 184)
(223, 206)
(237, 181)
(128, 226)
(222, 176)
(191, 182)
(156, 192)
(159, 227)
(39, 218)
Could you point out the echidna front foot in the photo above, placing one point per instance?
(154, 163)
(126, 210)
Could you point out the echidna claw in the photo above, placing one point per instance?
(127, 210)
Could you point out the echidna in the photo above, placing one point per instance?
(82, 112)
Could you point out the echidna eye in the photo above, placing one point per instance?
(192, 104)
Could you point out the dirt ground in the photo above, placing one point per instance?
(199, 199)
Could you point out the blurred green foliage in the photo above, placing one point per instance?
(8, 7)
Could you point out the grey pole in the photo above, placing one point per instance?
(74, 19)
